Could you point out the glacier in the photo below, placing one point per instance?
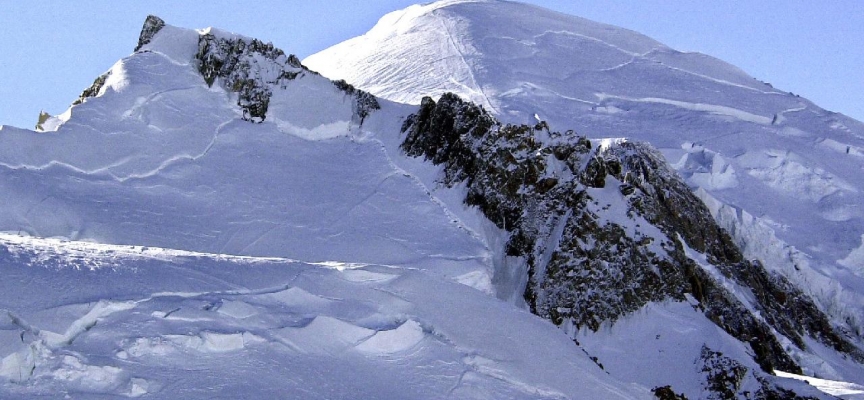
(158, 245)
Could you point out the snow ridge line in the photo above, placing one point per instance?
(569, 33)
(167, 163)
(105, 170)
(721, 81)
(645, 56)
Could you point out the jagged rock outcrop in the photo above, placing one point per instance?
(93, 90)
(248, 67)
(238, 63)
(43, 117)
(253, 69)
(364, 103)
(607, 227)
(152, 26)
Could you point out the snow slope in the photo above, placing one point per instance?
(781, 174)
(132, 321)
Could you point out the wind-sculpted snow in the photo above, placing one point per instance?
(159, 323)
(793, 167)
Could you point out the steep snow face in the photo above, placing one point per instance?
(783, 175)
(427, 50)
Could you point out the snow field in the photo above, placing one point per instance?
(406, 333)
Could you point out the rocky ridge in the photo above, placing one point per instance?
(606, 227)
(248, 67)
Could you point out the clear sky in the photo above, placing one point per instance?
(51, 51)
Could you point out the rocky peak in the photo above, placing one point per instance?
(152, 26)
(246, 66)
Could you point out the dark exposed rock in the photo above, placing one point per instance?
(723, 375)
(724, 378)
(253, 69)
(534, 184)
(237, 64)
(152, 26)
(43, 117)
(93, 90)
(248, 67)
(364, 103)
(771, 391)
(666, 393)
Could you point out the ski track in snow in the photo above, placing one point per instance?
(399, 170)
(708, 108)
(468, 67)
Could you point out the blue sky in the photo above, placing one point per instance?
(51, 51)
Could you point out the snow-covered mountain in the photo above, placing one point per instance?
(781, 174)
(180, 194)
(213, 218)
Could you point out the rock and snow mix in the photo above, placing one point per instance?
(154, 158)
(784, 176)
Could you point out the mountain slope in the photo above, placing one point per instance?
(171, 163)
(605, 230)
(779, 173)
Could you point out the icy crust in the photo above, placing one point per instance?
(606, 228)
(160, 323)
(793, 167)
